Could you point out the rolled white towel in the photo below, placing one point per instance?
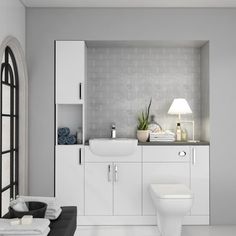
(52, 204)
(19, 205)
(53, 215)
(45, 233)
(37, 227)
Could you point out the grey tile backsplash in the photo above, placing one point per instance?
(121, 81)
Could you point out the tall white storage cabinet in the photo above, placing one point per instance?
(70, 74)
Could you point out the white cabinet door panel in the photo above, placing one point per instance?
(70, 177)
(200, 180)
(162, 173)
(98, 189)
(70, 71)
(127, 189)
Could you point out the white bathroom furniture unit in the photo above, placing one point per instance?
(187, 165)
(70, 176)
(163, 165)
(117, 189)
(114, 190)
(70, 74)
(70, 78)
(113, 185)
(200, 180)
(70, 71)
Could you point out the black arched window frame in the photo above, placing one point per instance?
(10, 78)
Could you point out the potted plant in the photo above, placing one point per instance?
(143, 120)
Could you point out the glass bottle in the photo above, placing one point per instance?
(79, 135)
(184, 135)
(178, 132)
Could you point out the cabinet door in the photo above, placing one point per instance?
(98, 189)
(162, 173)
(127, 189)
(70, 71)
(200, 180)
(70, 177)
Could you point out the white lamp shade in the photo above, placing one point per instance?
(179, 106)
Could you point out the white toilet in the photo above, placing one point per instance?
(172, 202)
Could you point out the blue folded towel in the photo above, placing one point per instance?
(71, 139)
(64, 131)
(61, 140)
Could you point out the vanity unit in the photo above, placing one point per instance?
(115, 190)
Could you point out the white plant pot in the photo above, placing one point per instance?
(143, 135)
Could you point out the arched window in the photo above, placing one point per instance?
(9, 129)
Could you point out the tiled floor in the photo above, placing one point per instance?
(152, 231)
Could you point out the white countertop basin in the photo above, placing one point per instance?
(113, 147)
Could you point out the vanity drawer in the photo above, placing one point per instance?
(166, 153)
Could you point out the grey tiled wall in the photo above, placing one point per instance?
(121, 81)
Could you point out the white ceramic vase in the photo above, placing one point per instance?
(143, 135)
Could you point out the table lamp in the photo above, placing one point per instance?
(180, 107)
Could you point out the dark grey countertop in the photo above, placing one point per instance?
(198, 143)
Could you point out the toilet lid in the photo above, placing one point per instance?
(171, 191)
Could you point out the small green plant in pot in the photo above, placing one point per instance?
(143, 121)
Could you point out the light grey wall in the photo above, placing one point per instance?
(12, 20)
(216, 25)
(122, 80)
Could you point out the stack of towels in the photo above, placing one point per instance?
(64, 136)
(38, 227)
(164, 136)
(53, 210)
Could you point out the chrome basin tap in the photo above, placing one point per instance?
(113, 131)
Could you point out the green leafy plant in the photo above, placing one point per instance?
(143, 118)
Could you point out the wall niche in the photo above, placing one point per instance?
(122, 76)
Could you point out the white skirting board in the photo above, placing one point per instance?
(135, 220)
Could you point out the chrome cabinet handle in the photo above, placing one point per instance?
(80, 91)
(182, 153)
(193, 156)
(116, 173)
(109, 173)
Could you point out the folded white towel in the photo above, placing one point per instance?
(37, 227)
(45, 233)
(19, 205)
(53, 215)
(162, 134)
(163, 139)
